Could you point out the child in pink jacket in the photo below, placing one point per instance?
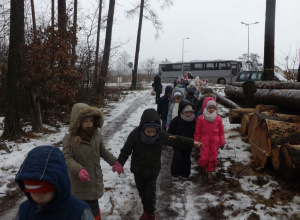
(209, 131)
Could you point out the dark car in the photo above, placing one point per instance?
(256, 76)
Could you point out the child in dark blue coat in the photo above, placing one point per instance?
(43, 177)
(163, 106)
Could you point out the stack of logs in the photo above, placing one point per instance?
(273, 136)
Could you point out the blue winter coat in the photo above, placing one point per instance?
(48, 163)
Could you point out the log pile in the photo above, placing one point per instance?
(273, 136)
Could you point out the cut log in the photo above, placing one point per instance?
(283, 98)
(290, 161)
(267, 108)
(269, 133)
(275, 157)
(272, 85)
(245, 122)
(235, 115)
(224, 101)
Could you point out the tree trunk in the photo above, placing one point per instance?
(107, 45)
(224, 101)
(275, 157)
(234, 92)
(137, 49)
(269, 133)
(271, 85)
(97, 46)
(245, 122)
(289, 161)
(298, 76)
(235, 115)
(62, 17)
(52, 13)
(12, 125)
(249, 91)
(267, 108)
(268, 73)
(33, 18)
(74, 39)
(35, 111)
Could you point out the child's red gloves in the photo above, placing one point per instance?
(118, 167)
(84, 175)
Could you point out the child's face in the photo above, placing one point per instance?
(87, 123)
(211, 108)
(150, 132)
(43, 198)
(188, 113)
(177, 98)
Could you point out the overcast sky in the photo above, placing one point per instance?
(214, 28)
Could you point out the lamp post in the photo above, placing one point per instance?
(248, 34)
(183, 46)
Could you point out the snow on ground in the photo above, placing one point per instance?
(121, 196)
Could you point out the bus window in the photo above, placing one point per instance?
(197, 66)
(171, 67)
(210, 66)
(224, 65)
(186, 68)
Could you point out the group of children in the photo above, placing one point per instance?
(68, 184)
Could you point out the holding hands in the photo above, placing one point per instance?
(197, 144)
(118, 167)
(84, 175)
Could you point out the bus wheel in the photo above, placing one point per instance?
(222, 81)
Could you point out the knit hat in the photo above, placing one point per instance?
(211, 103)
(151, 124)
(38, 186)
(187, 108)
(177, 93)
(178, 81)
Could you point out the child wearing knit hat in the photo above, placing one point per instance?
(209, 130)
(43, 177)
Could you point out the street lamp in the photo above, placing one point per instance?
(248, 34)
(183, 46)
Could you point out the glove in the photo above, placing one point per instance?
(221, 147)
(84, 175)
(167, 128)
(117, 167)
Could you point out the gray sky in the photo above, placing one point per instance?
(214, 28)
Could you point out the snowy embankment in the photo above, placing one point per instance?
(237, 196)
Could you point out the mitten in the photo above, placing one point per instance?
(84, 175)
(118, 167)
(221, 147)
(167, 128)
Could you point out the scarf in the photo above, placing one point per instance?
(175, 110)
(148, 140)
(209, 117)
(187, 119)
(86, 134)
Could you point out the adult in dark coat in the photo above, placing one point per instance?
(298, 76)
(146, 157)
(180, 125)
(47, 163)
(157, 86)
(163, 106)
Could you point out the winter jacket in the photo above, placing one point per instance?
(157, 84)
(191, 95)
(163, 104)
(208, 92)
(47, 163)
(171, 108)
(146, 158)
(180, 127)
(209, 133)
(81, 154)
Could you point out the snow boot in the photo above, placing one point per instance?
(210, 178)
(151, 217)
(144, 216)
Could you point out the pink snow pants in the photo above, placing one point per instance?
(208, 157)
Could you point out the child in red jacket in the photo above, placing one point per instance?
(209, 131)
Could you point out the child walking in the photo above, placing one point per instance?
(82, 148)
(163, 106)
(209, 130)
(184, 125)
(177, 96)
(43, 177)
(145, 143)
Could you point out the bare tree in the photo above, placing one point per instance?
(62, 16)
(97, 45)
(107, 47)
(74, 40)
(253, 58)
(149, 65)
(122, 63)
(268, 73)
(12, 125)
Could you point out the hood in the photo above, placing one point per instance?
(168, 89)
(182, 104)
(148, 115)
(191, 90)
(46, 163)
(205, 101)
(181, 90)
(207, 90)
(81, 111)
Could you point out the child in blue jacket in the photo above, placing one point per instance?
(43, 177)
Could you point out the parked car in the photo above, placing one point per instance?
(256, 76)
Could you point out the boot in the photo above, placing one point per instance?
(144, 216)
(151, 217)
(210, 178)
(98, 217)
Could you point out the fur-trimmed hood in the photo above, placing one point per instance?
(81, 111)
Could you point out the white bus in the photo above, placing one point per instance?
(214, 71)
